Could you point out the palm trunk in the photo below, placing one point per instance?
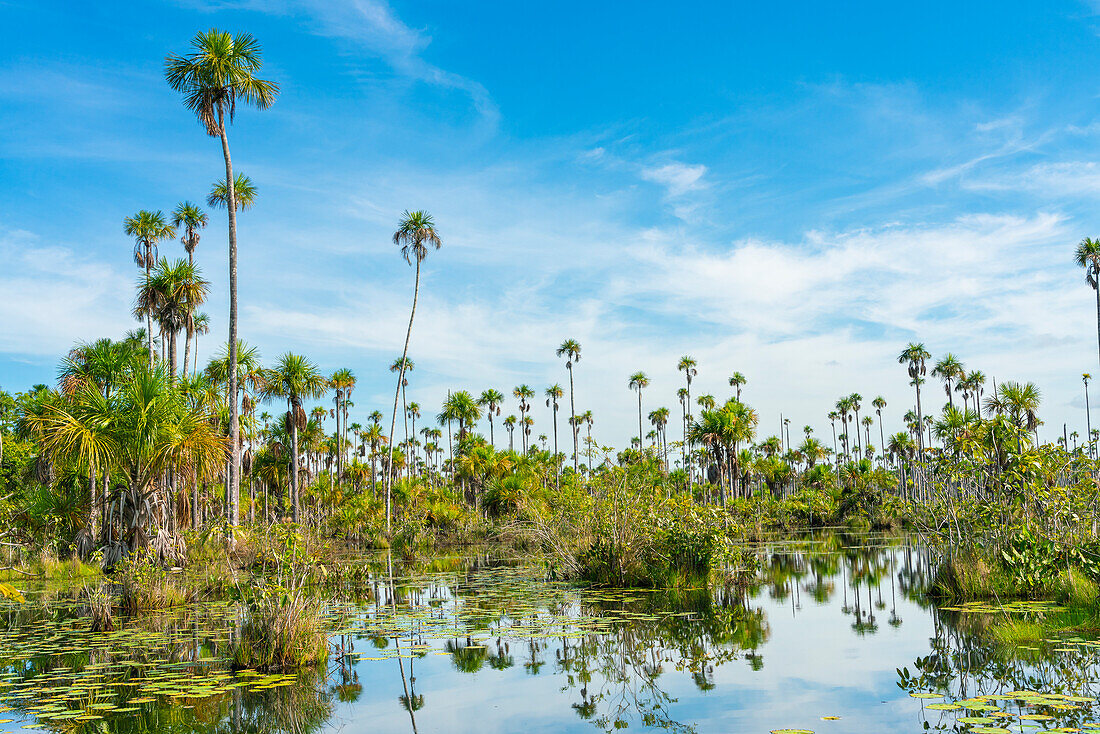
(1088, 420)
(149, 313)
(920, 421)
(557, 468)
(292, 413)
(1096, 275)
(172, 355)
(641, 439)
(186, 350)
(573, 418)
(397, 395)
(234, 417)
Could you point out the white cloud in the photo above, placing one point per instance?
(677, 178)
(53, 297)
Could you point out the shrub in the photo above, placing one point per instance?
(100, 608)
(281, 631)
(145, 585)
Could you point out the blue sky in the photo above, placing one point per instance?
(793, 191)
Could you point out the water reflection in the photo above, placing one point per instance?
(836, 626)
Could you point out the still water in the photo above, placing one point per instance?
(836, 637)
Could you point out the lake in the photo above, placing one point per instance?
(472, 643)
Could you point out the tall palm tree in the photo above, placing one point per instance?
(148, 229)
(553, 395)
(1087, 255)
(587, 418)
(172, 295)
(659, 419)
(510, 424)
(416, 235)
(688, 366)
(880, 403)
(843, 407)
(1085, 377)
(343, 382)
(855, 400)
(571, 350)
(191, 219)
(397, 367)
(914, 357)
(736, 381)
(294, 378)
(833, 416)
(491, 400)
(638, 381)
(685, 401)
(245, 193)
(219, 72)
(200, 324)
(523, 393)
(950, 370)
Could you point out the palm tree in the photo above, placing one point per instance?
(833, 416)
(1085, 377)
(659, 419)
(687, 365)
(638, 381)
(736, 381)
(523, 393)
(343, 382)
(143, 431)
(553, 394)
(192, 219)
(510, 424)
(244, 193)
(1087, 255)
(147, 228)
(1021, 402)
(706, 402)
(219, 72)
(571, 350)
(685, 401)
(880, 403)
(491, 400)
(200, 324)
(294, 377)
(949, 369)
(588, 420)
(854, 400)
(843, 407)
(415, 235)
(914, 357)
(171, 296)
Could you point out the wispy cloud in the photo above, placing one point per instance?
(373, 27)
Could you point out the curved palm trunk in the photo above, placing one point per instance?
(397, 396)
(234, 416)
(882, 439)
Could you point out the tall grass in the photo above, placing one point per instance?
(282, 630)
